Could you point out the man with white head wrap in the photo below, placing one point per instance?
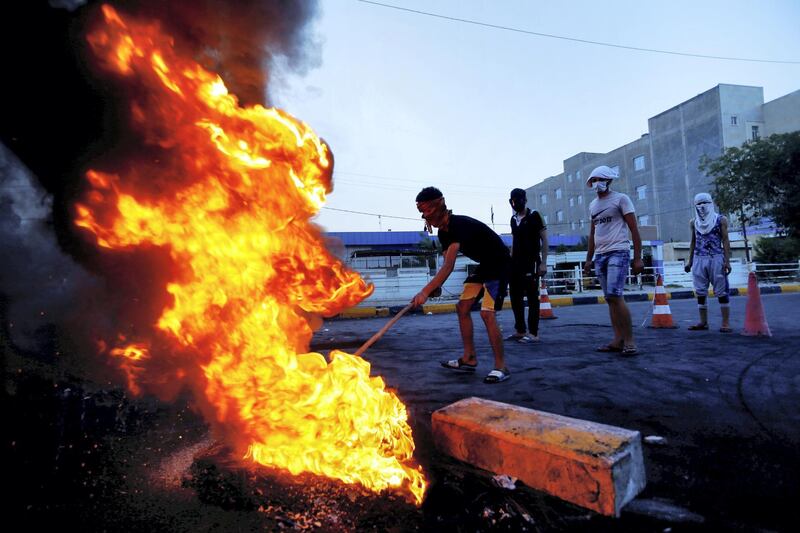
(709, 263)
(613, 217)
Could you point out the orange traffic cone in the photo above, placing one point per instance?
(545, 309)
(662, 316)
(755, 321)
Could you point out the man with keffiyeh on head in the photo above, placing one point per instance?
(476, 240)
(709, 261)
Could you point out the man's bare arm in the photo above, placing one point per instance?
(440, 277)
(688, 266)
(726, 244)
(587, 266)
(638, 265)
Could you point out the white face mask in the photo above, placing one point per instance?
(600, 186)
(703, 209)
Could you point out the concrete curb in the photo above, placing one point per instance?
(555, 301)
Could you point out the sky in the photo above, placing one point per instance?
(408, 100)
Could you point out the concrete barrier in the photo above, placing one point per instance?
(365, 311)
(593, 465)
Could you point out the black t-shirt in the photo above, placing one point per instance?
(527, 243)
(480, 243)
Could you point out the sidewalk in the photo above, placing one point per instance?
(448, 305)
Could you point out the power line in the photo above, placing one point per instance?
(371, 214)
(574, 39)
(429, 181)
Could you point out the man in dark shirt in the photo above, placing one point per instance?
(528, 262)
(476, 240)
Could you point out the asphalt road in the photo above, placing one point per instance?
(84, 453)
(728, 405)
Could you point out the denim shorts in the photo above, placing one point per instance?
(611, 269)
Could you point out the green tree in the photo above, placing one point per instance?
(760, 179)
(777, 250)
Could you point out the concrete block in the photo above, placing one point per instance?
(593, 465)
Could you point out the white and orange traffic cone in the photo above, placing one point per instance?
(755, 320)
(545, 309)
(662, 316)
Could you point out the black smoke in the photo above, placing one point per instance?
(60, 117)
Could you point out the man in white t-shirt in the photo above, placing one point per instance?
(613, 216)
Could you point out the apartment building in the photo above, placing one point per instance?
(659, 171)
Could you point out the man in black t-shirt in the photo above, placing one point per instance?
(476, 240)
(528, 263)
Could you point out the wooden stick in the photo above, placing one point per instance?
(383, 330)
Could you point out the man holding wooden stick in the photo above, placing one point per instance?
(476, 240)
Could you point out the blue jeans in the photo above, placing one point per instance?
(611, 269)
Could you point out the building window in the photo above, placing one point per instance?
(558, 193)
(644, 220)
(545, 220)
(733, 120)
(754, 133)
(543, 199)
(569, 178)
(580, 199)
(572, 201)
(615, 169)
(641, 192)
(578, 176)
(638, 162)
(560, 215)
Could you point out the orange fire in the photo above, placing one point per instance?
(230, 202)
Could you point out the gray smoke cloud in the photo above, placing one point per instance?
(41, 283)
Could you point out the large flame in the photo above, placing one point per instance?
(236, 194)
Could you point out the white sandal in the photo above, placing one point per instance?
(458, 364)
(497, 375)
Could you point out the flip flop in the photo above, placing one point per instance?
(458, 364)
(629, 350)
(606, 348)
(497, 375)
(725, 330)
(698, 327)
